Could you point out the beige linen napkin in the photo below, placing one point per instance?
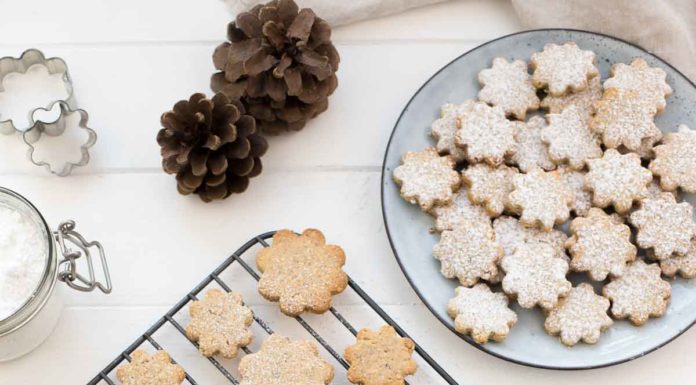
(664, 27)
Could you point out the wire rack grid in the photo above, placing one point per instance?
(169, 318)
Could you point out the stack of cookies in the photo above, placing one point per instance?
(549, 150)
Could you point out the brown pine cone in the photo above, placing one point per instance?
(280, 62)
(211, 146)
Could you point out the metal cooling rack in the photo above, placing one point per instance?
(168, 318)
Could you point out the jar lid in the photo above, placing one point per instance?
(27, 269)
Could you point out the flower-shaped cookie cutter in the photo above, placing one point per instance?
(29, 58)
(56, 128)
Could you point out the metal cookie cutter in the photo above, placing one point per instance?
(29, 58)
(56, 128)
(37, 128)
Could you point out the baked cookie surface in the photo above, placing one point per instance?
(146, 369)
(582, 100)
(444, 128)
(486, 135)
(675, 160)
(380, 357)
(532, 152)
(684, 265)
(639, 293)
(600, 245)
(511, 234)
(220, 324)
(459, 212)
(481, 313)
(535, 276)
(575, 182)
(650, 82)
(426, 178)
(563, 68)
(508, 85)
(581, 315)
(301, 272)
(569, 139)
(282, 361)
(617, 180)
(468, 253)
(489, 186)
(541, 198)
(664, 225)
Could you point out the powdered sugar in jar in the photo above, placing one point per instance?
(30, 305)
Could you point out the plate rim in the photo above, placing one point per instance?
(466, 338)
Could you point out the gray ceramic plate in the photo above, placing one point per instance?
(407, 226)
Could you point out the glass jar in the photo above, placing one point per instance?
(29, 325)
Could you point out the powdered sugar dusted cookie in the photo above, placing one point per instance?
(655, 191)
(220, 324)
(675, 160)
(486, 135)
(582, 100)
(468, 253)
(581, 315)
(639, 293)
(489, 186)
(284, 361)
(684, 265)
(155, 369)
(664, 225)
(380, 358)
(650, 82)
(508, 85)
(531, 151)
(570, 139)
(541, 198)
(458, 212)
(511, 234)
(481, 313)
(301, 272)
(561, 68)
(535, 276)
(623, 117)
(427, 178)
(599, 245)
(443, 129)
(617, 180)
(575, 182)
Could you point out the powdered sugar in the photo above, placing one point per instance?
(23, 253)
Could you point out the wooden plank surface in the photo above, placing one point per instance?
(130, 61)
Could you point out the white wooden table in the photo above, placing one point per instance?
(130, 61)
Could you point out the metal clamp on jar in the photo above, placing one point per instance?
(26, 327)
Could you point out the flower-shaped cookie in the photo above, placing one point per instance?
(684, 265)
(570, 139)
(511, 234)
(427, 178)
(469, 253)
(623, 117)
(600, 245)
(664, 225)
(582, 100)
(575, 181)
(145, 369)
(486, 135)
(283, 361)
(481, 313)
(639, 76)
(563, 67)
(458, 212)
(675, 160)
(380, 358)
(220, 324)
(301, 272)
(581, 315)
(444, 128)
(531, 151)
(541, 198)
(508, 85)
(617, 180)
(639, 293)
(489, 186)
(535, 276)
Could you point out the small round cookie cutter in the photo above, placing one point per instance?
(37, 128)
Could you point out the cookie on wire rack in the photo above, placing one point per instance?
(301, 272)
(380, 357)
(146, 369)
